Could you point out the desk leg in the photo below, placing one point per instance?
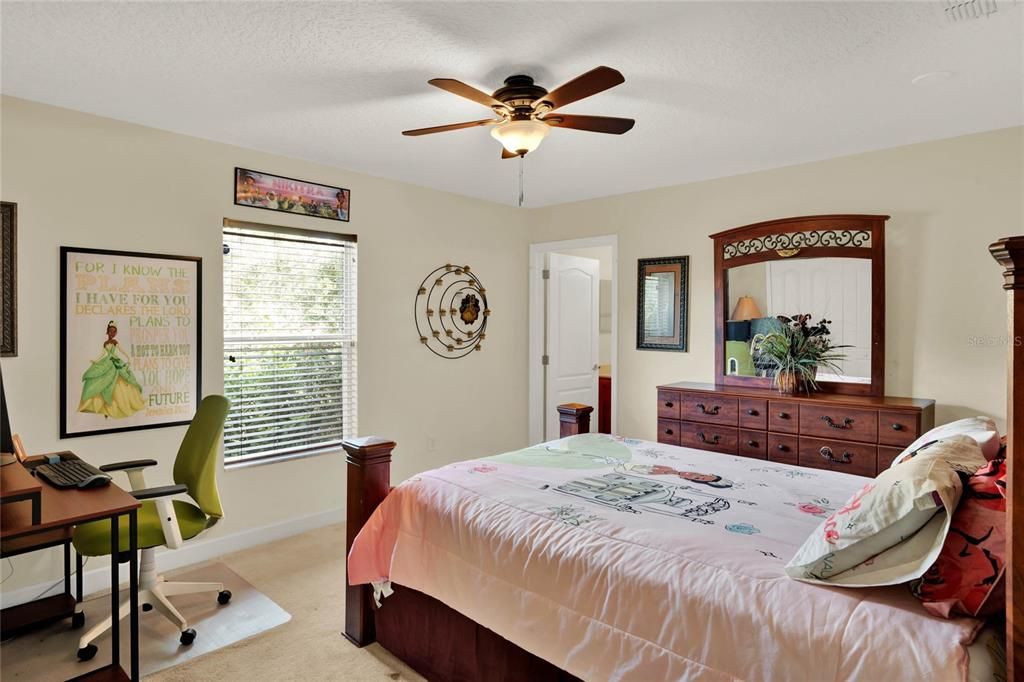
(78, 577)
(133, 589)
(115, 607)
(67, 567)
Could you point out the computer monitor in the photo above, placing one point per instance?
(6, 441)
(6, 437)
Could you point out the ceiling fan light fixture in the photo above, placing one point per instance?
(520, 137)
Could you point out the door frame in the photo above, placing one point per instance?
(535, 391)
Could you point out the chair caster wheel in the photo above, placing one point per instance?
(86, 654)
(223, 597)
(147, 607)
(187, 636)
(77, 620)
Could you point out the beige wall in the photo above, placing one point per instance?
(948, 200)
(81, 180)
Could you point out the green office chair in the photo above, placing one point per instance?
(165, 522)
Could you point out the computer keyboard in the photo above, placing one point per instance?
(72, 473)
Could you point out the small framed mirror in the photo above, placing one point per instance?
(827, 270)
(661, 306)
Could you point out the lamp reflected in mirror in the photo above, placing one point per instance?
(746, 309)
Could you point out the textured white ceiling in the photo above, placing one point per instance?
(716, 88)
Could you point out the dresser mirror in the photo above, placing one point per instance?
(828, 267)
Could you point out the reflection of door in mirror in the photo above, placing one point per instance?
(660, 304)
(837, 289)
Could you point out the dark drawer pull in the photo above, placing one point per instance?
(752, 443)
(668, 432)
(847, 422)
(783, 448)
(703, 439)
(669, 404)
(826, 452)
(752, 412)
(783, 415)
(713, 411)
(897, 427)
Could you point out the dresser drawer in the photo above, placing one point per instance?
(668, 405)
(837, 455)
(898, 428)
(783, 417)
(752, 444)
(783, 449)
(886, 455)
(845, 423)
(708, 408)
(668, 431)
(753, 414)
(708, 437)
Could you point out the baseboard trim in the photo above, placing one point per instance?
(96, 580)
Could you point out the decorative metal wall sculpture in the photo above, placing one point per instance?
(451, 312)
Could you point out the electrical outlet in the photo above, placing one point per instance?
(431, 444)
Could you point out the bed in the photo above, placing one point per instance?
(597, 557)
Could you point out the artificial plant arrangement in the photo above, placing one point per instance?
(795, 351)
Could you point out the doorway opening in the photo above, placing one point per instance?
(573, 319)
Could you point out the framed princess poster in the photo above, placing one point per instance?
(131, 340)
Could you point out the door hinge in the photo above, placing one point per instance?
(544, 360)
(545, 274)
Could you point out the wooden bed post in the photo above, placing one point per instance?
(1009, 253)
(573, 419)
(369, 482)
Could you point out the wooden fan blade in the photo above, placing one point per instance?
(592, 82)
(506, 154)
(451, 126)
(595, 124)
(462, 90)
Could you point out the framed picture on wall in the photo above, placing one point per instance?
(9, 278)
(662, 290)
(130, 340)
(300, 197)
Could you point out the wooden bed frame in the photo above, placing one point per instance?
(442, 644)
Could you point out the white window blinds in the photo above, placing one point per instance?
(289, 341)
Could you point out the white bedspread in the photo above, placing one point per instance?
(620, 559)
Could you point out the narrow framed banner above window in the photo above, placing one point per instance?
(130, 340)
(278, 193)
(662, 313)
(289, 341)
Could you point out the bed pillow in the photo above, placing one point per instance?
(967, 578)
(893, 528)
(982, 429)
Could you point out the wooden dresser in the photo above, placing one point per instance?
(856, 434)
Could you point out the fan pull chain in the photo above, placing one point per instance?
(522, 162)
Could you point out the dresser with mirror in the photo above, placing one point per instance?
(830, 267)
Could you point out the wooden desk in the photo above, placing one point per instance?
(59, 511)
(17, 485)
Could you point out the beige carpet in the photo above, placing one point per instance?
(52, 649)
(303, 574)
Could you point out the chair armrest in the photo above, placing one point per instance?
(129, 465)
(160, 491)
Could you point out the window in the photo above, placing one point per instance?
(289, 341)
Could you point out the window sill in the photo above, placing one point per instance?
(276, 459)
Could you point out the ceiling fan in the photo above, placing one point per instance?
(525, 109)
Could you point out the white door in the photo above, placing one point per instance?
(572, 317)
(838, 289)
